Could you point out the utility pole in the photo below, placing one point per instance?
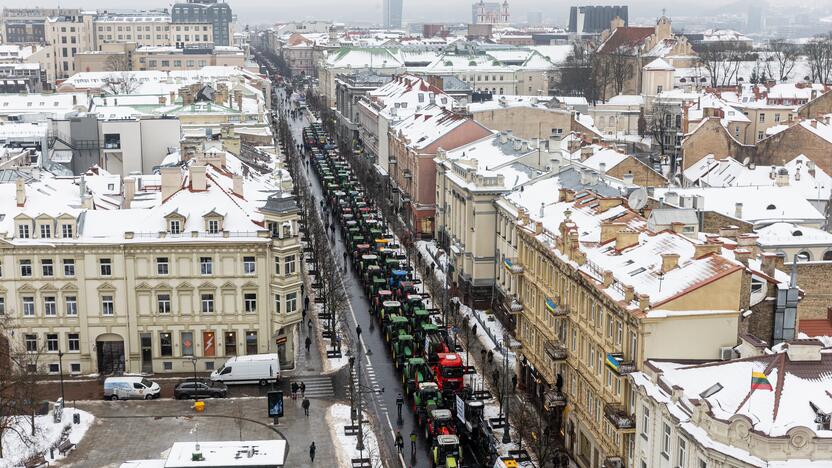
(507, 426)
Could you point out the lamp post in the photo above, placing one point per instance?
(61, 370)
(193, 361)
(507, 430)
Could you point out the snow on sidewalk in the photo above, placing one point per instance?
(337, 418)
(47, 435)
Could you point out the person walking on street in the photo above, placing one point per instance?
(306, 303)
(305, 406)
(399, 441)
(308, 342)
(399, 403)
(302, 389)
(309, 325)
(358, 332)
(294, 388)
(413, 442)
(312, 452)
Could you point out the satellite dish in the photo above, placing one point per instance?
(637, 199)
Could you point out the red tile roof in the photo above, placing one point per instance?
(626, 36)
(816, 327)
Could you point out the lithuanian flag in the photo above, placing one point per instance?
(759, 381)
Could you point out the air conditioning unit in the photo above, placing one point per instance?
(726, 353)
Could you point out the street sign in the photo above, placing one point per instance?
(275, 400)
(460, 409)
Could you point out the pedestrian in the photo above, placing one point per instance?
(474, 330)
(513, 382)
(399, 403)
(305, 302)
(312, 452)
(305, 406)
(303, 314)
(302, 389)
(358, 332)
(308, 342)
(490, 357)
(482, 355)
(338, 342)
(399, 441)
(413, 442)
(495, 377)
(294, 388)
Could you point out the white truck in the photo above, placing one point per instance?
(255, 368)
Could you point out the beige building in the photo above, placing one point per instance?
(527, 117)
(149, 28)
(67, 36)
(126, 56)
(599, 293)
(146, 273)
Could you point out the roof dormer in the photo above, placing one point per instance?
(44, 227)
(213, 221)
(175, 222)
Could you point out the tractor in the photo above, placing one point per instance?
(402, 349)
(445, 451)
(439, 422)
(416, 371)
(425, 400)
(395, 325)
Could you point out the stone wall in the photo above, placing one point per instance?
(712, 221)
(791, 142)
(813, 280)
(817, 107)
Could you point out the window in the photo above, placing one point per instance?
(776, 117)
(251, 342)
(277, 303)
(45, 231)
(105, 266)
(163, 303)
(66, 231)
(250, 302)
(645, 422)
(23, 231)
(71, 306)
(165, 344)
(28, 306)
(31, 343)
(289, 265)
(681, 453)
(213, 224)
(46, 267)
(762, 118)
(207, 301)
(759, 135)
(291, 302)
(248, 265)
(187, 340)
(206, 266)
(49, 308)
(665, 440)
(25, 268)
(73, 342)
(52, 342)
(69, 267)
(107, 305)
(75, 368)
(230, 343)
(702, 464)
(2, 306)
(175, 226)
(277, 265)
(162, 266)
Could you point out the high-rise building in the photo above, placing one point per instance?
(489, 12)
(206, 11)
(755, 21)
(534, 18)
(594, 19)
(392, 12)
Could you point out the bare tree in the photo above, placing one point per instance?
(611, 70)
(576, 76)
(659, 125)
(782, 56)
(722, 62)
(818, 52)
(120, 83)
(117, 63)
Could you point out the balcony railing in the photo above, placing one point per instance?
(555, 350)
(616, 362)
(553, 400)
(613, 462)
(618, 417)
(513, 267)
(554, 308)
(407, 174)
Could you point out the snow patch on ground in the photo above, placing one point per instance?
(47, 434)
(337, 418)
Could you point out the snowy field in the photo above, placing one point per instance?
(47, 434)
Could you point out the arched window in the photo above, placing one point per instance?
(771, 207)
(827, 255)
(804, 256)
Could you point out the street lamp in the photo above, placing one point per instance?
(507, 430)
(193, 361)
(61, 370)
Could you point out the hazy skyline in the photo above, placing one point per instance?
(369, 11)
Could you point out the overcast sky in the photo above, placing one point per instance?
(269, 11)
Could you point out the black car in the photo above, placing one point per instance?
(200, 388)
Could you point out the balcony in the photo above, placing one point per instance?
(616, 362)
(553, 400)
(613, 462)
(618, 417)
(515, 307)
(554, 308)
(555, 350)
(407, 174)
(392, 160)
(512, 267)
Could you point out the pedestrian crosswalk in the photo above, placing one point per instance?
(317, 386)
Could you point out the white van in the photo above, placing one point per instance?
(254, 368)
(130, 388)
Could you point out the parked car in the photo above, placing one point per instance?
(255, 368)
(130, 388)
(200, 388)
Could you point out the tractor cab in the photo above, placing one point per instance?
(396, 275)
(439, 422)
(394, 324)
(379, 299)
(435, 342)
(416, 372)
(389, 308)
(446, 452)
(506, 462)
(366, 261)
(449, 372)
(402, 349)
(426, 399)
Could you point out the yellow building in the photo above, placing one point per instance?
(598, 294)
(147, 273)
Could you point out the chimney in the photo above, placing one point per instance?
(729, 232)
(629, 293)
(199, 180)
(629, 178)
(671, 198)
(813, 123)
(810, 165)
(162, 100)
(602, 168)
(804, 350)
(669, 261)
(538, 227)
(237, 186)
(700, 250)
(605, 204)
(86, 202)
(172, 96)
(238, 99)
(742, 255)
(171, 181)
(565, 195)
(20, 191)
(607, 276)
(542, 209)
(643, 302)
(738, 210)
(586, 153)
(769, 263)
(129, 188)
(503, 138)
(625, 238)
(609, 231)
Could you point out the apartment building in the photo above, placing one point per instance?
(145, 28)
(67, 36)
(206, 12)
(127, 56)
(149, 272)
(597, 294)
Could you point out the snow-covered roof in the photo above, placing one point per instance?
(259, 453)
(490, 157)
(501, 101)
(797, 384)
(624, 100)
(427, 125)
(790, 234)
(405, 95)
(659, 65)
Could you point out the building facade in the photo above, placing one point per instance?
(392, 14)
(217, 14)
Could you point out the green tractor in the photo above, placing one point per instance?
(416, 371)
(445, 452)
(395, 325)
(402, 349)
(389, 308)
(426, 399)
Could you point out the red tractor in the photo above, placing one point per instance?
(449, 371)
(439, 422)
